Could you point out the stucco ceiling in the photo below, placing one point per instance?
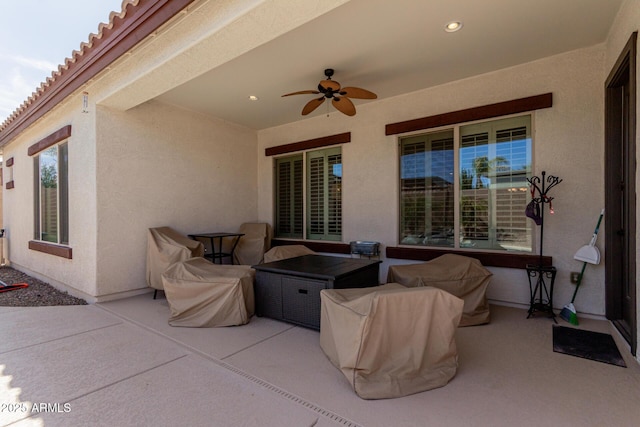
(391, 48)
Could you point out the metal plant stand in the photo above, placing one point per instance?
(541, 277)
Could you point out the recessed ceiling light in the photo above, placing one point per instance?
(253, 98)
(453, 26)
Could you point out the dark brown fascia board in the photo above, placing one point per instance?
(488, 259)
(147, 16)
(499, 109)
(46, 142)
(48, 248)
(341, 138)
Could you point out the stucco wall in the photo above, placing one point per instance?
(568, 142)
(158, 165)
(76, 275)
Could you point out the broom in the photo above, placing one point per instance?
(588, 254)
(568, 312)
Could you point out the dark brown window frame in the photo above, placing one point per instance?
(49, 140)
(51, 249)
(61, 134)
(514, 106)
(9, 163)
(488, 259)
(309, 144)
(491, 111)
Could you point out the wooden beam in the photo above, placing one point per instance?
(46, 142)
(488, 259)
(51, 249)
(471, 114)
(325, 141)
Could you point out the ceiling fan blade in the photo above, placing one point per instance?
(358, 93)
(312, 105)
(329, 84)
(302, 92)
(344, 105)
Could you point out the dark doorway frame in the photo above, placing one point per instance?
(620, 199)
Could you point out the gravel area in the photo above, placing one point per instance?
(36, 294)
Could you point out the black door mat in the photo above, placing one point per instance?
(587, 344)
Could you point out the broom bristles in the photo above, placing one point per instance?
(568, 313)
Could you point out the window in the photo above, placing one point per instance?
(469, 190)
(51, 200)
(319, 200)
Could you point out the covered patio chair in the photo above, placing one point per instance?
(391, 341)
(166, 246)
(286, 251)
(462, 276)
(202, 294)
(255, 242)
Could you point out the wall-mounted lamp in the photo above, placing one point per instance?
(85, 102)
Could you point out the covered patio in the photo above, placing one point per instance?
(154, 125)
(120, 363)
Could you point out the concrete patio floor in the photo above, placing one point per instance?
(119, 363)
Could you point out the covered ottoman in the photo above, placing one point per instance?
(461, 276)
(203, 294)
(391, 341)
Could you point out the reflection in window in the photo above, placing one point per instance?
(426, 194)
(51, 195)
(482, 206)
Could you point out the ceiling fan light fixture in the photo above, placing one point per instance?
(453, 26)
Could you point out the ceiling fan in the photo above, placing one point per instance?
(330, 89)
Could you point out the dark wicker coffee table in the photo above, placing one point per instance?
(289, 289)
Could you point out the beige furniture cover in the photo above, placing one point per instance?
(203, 294)
(166, 246)
(255, 242)
(462, 276)
(391, 341)
(286, 251)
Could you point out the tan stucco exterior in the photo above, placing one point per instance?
(565, 138)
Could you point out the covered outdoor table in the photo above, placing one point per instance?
(391, 341)
(203, 294)
(461, 276)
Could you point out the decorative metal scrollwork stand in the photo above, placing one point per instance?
(541, 295)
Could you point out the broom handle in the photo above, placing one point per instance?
(573, 298)
(584, 264)
(595, 233)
